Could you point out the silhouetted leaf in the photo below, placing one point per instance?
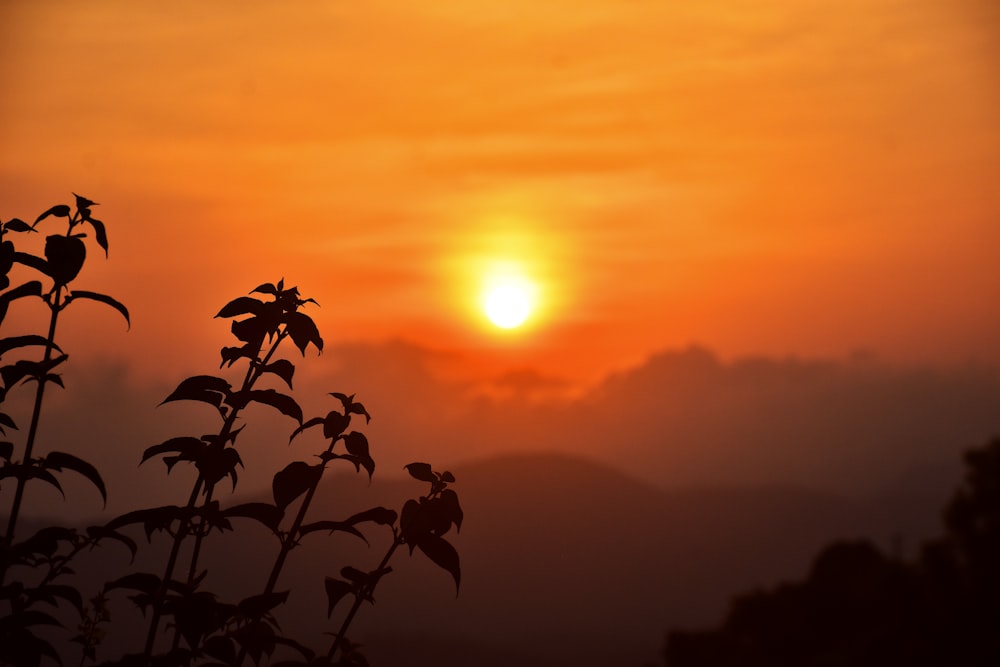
(230, 355)
(335, 424)
(100, 234)
(44, 542)
(315, 421)
(411, 524)
(331, 526)
(214, 463)
(152, 519)
(291, 482)
(285, 404)
(102, 298)
(205, 388)
(359, 409)
(6, 450)
(243, 305)
(336, 589)
(32, 288)
(37, 263)
(447, 477)
(18, 225)
(421, 471)
(220, 648)
(251, 330)
(187, 447)
(266, 288)
(448, 501)
(28, 471)
(82, 202)
(14, 342)
(60, 210)
(50, 593)
(60, 460)
(6, 421)
(24, 368)
(303, 331)
(105, 533)
(379, 515)
(256, 606)
(144, 582)
(265, 513)
(283, 369)
(443, 555)
(65, 256)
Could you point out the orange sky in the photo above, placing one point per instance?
(802, 178)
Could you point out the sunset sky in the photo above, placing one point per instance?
(806, 178)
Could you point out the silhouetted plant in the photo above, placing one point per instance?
(49, 552)
(203, 628)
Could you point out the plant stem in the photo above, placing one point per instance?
(36, 413)
(362, 595)
(288, 543)
(252, 375)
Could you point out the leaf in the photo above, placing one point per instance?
(144, 582)
(18, 225)
(256, 606)
(303, 331)
(356, 443)
(59, 210)
(283, 403)
(359, 409)
(336, 589)
(6, 450)
(5, 420)
(451, 509)
(100, 233)
(65, 256)
(265, 513)
(152, 519)
(97, 533)
(50, 592)
(102, 298)
(266, 288)
(27, 472)
(205, 388)
(315, 421)
(220, 648)
(186, 446)
(60, 460)
(447, 477)
(231, 355)
(332, 526)
(82, 202)
(443, 555)
(283, 369)
(379, 515)
(243, 305)
(421, 471)
(214, 463)
(14, 342)
(291, 482)
(335, 424)
(31, 288)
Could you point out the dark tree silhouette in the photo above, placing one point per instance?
(858, 607)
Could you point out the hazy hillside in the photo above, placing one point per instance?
(565, 562)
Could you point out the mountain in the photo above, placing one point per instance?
(564, 562)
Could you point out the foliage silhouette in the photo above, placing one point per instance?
(858, 607)
(203, 629)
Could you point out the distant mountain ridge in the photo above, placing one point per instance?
(565, 562)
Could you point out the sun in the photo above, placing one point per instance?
(507, 305)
